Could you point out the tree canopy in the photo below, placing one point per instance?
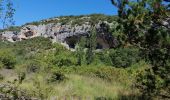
(142, 24)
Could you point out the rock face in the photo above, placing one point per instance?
(65, 34)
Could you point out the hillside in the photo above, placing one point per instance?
(35, 64)
(81, 57)
(38, 68)
(65, 30)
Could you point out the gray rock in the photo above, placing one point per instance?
(55, 31)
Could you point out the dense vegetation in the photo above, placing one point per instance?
(137, 68)
(141, 23)
(44, 70)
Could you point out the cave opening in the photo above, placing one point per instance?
(72, 41)
(100, 42)
(99, 46)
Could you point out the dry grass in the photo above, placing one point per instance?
(75, 86)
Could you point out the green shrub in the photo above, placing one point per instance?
(1, 77)
(104, 58)
(7, 59)
(5, 44)
(64, 62)
(103, 72)
(56, 76)
(146, 81)
(21, 76)
(62, 57)
(34, 44)
(124, 57)
(32, 66)
(1, 65)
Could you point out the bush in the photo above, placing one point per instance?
(124, 57)
(60, 62)
(7, 59)
(1, 65)
(62, 57)
(150, 84)
(104, 58)
(5, 44)
(56, 77)
(103, 72)
(64, 62)
(32, 66)
(1, 77)
(34, 44)
(21, 76)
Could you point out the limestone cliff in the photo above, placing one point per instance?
(62, 29)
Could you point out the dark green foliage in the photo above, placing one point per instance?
(104, 57)
(80, 50)
(32, 66)
(91, 44)
(147, 82)
(35, 44)
(103, 98)
(141, 25)
(56, 77)
(124, 57)
(1, 77)
(5, 44)
(103, 72)
(21, 77)
(7, 59)
(62, 57)
(95, 18)
(63, 62)
(88, 43)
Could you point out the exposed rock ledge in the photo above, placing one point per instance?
(64, 34)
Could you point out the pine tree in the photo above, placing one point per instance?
(141, 25)
(80, 50)
(91, 43)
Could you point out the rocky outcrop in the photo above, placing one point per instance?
(63, 34)
(56, 32)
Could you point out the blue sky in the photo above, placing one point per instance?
(34, 10)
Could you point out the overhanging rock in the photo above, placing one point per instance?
(66, 34)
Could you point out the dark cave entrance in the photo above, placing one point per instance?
(72, 41)
(99, 46)
(101, 43)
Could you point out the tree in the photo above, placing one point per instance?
(141, 24)
(88, 43)
(6, 13)
(91, 44)
(80, 50)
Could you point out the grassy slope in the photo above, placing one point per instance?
(90, 81)
(74, 85)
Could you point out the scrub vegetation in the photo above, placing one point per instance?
(135, 69)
